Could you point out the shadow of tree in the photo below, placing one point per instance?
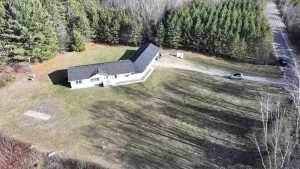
(60, 77)
(178, 128)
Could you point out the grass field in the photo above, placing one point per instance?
(176, 119)
(268, 71)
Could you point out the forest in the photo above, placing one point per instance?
(36, 30)
(290, 10)
(237, 29)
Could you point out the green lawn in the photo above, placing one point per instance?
(176, 119)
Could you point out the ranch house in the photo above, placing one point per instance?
(135, 69)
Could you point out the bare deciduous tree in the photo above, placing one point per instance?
(278, 144)
(151, 11)
(290, 14)
(275, 143)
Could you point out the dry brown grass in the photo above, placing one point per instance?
(19, 155)
(176, 119)
(13, 154)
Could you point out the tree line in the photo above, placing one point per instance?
(35, 30)
(290, 10)
(237, 29)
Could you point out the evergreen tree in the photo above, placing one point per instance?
(173, 32)
(226, 28)
(91, 9)
(57, 11)
(104, 29)
(131, 32)
(173, 35)
(114, 31)
(160, 38)
(135, 32)
(118, 26)
(3, 50)
(28, 31)
(198, 38)
(78, 42)
(77, 18)
(186, 27)
(238, 47)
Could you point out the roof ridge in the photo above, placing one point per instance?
(137, 63)
(99, 63)
(145, 45)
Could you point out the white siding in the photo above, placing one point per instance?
(111, 80)
(87, 83)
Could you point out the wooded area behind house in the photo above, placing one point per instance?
(35, 30)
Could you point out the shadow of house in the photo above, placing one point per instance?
(127, 54)
(60, 77)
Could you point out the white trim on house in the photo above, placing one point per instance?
(112, 80)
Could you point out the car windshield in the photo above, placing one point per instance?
(237, 74)
(283, 59)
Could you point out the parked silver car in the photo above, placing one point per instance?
(236, 76)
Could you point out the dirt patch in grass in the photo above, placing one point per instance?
(48, 106)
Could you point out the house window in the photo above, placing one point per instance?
(94, 79)
(116, 76)
(127, 75)
(78, 81)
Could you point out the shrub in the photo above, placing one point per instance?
(2, 83)
(8, 77)
(11, 79)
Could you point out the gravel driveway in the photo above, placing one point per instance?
(168, 61)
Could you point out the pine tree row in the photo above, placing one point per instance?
(35, 30)
(232, 28)
(118, 26)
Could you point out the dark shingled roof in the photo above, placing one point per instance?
(137, 63)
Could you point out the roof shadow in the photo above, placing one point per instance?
(60, 77)
(127, 54)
